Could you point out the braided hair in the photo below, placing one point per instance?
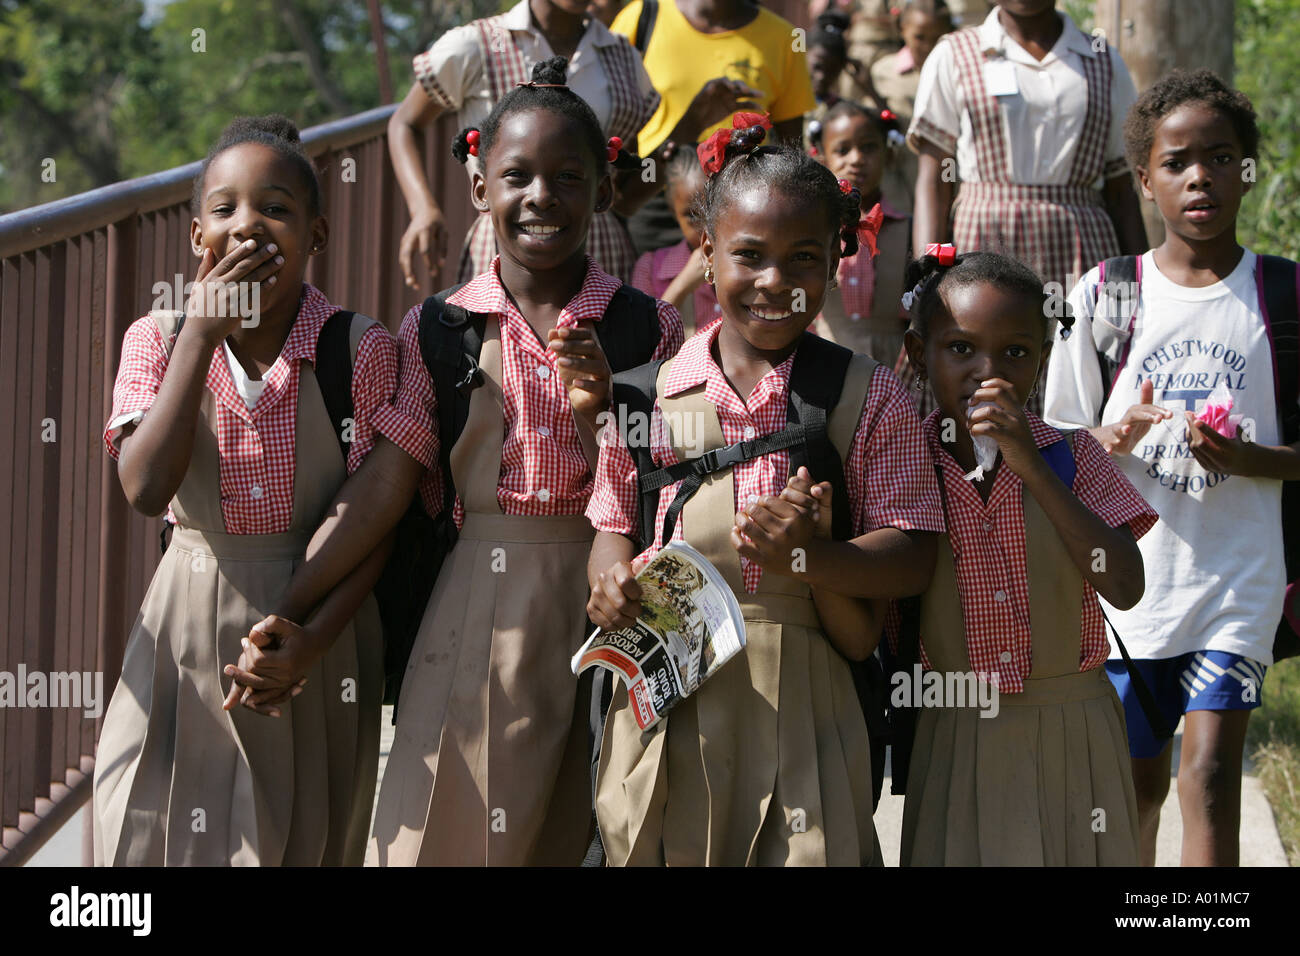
(786, 169)
(549, 94)
(926, 277)
(275, 131)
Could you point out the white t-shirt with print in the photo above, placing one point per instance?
(1213, 562)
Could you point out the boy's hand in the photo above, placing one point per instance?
(1122, 437)
(768, 531)
(1004, 421)
(277, 655)
(815, 499)
(615, 601)
(1214, 452)
(216, 285)
(584, 370)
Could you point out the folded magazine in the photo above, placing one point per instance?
(690, 625)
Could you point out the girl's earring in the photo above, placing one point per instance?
(920, 381)
(708, 275)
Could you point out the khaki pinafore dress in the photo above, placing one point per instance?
(178, 780)
(491, 763)
(1047, 782)
(768, 763)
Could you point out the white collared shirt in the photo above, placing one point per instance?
(1044, 118)
(454, 72)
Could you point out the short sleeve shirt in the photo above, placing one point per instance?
(1044, 117)
(256, 445)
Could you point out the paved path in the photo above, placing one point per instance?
(1260, 845)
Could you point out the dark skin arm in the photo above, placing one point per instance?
(426, 236)
(615, 601)
(853, 625)
(885, 563)
(1122, 207)
(156, 454)
(1235, 456)
(1123, 580)
(933, 197)
(277, 652)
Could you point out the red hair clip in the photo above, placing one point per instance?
(846, 187)
(869, 227)
(945, 252)
(888, 116)
(713, 151)
(612, 147)
(472, 139)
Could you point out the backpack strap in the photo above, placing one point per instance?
(336, 355)
(630, 331)
(645, 25)
(1114, 276)
(1278, 283)
(634, 393)
(451, 339)
(816, 381)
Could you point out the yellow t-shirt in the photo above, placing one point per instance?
(680, 60)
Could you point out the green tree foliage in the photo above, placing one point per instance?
(110, 91)
(1268, 65)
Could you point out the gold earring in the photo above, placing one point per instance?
(708, 275)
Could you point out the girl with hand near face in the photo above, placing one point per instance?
(1013, 603)
(490, 765)
(768, 763)
(219, 420)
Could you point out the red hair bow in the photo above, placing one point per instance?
(869, 227)
(713, 151)
(945, 252)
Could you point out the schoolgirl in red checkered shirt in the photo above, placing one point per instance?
(768, 763)
(223, 425)
(491, 764)
(1020, 754)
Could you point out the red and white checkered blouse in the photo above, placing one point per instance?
(543, 468)
(888, 473)
(989, 555)
(256, 446)
(655, 271)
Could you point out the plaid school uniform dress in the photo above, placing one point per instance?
(1058, 229)
(506, 67)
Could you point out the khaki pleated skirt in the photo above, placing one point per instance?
(490, 764)
(767, 764)
(1047, 782)
(178, 780)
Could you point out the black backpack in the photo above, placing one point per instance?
(1278, 282)
(816, 381)
(451, 339)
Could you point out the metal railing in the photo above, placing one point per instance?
(75, 560)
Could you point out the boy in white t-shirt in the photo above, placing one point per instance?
(1202, 635)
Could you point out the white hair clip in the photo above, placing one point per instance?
(910, 297)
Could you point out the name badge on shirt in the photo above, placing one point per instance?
(1000, 78)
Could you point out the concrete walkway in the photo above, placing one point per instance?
(1260, 845)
